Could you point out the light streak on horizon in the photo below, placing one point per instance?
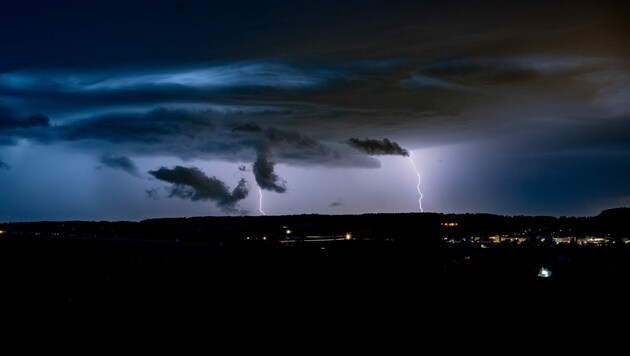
(260, 202)
(419, 180)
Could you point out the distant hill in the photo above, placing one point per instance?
(408, 227)
(616, 213)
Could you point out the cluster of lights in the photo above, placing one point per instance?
(264, 238)
(451, 224)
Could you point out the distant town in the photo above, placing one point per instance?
(607, 229)
(203, 261)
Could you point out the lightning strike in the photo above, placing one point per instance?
(419, 180)
(260, 202)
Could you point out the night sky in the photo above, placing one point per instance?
(126, 110)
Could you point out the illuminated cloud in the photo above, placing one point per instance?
(191, 183)
(428, 82)
(274, 75)
(511, 89)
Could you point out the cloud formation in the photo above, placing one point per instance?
(338, 202)
(213, 76)
(434, 75)
(36, 120)
(377, 147)
(152, 127)
(10, 120)
(191, 183)
(120, 162)
(266, 178)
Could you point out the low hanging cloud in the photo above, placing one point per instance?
(152, 193)
(182, 132)
(14, 125)
(378, 147)
(338, 202)
(191, 183)
(120, 162)
(264, 172)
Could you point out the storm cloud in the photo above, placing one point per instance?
(14, 124)
(187, 133)
(152, 127)
(338, 202)
(213, 76)
(37, 120)
(378, 147)
(120, 162)
(264, 172)
(526, 82)
(191, 183)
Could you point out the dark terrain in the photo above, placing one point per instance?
(389, 264)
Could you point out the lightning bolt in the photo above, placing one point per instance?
(260, 202)
(419, 180)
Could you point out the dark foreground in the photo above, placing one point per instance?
(338, 296)
(357, 276)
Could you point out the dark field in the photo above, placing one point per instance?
(124, 273)
(393, 268)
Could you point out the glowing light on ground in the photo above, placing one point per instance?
(544, 273)
(260, 202)
(419, 180)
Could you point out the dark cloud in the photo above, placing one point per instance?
(172, 131)
(191, 183)
(377, 147)
(590, 136)
(120, 162)
(373, 28)
(264, 172)
(432, 29)
(338, 202)
(14, 125)
(36, 120)
(10, 120)
(3, 165)
(247, 127)
(152, 193)
(155, 126)
(538, 77)
(293, 145)
(289, 138)
(498, 70)
(189, 133)
(481, 71)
